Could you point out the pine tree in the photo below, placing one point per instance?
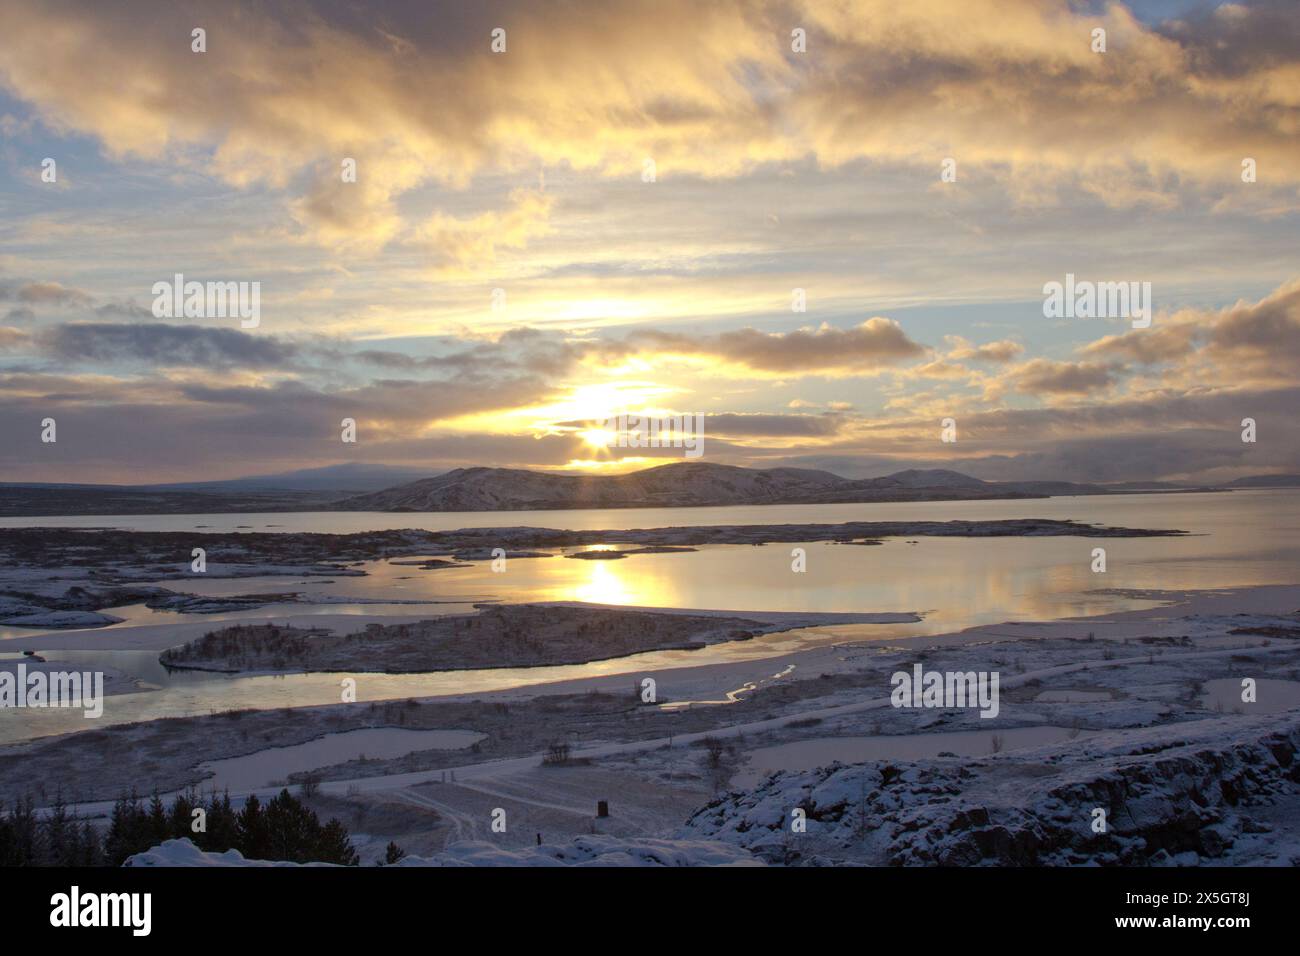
(251, 824)
(292, 827)
(157, 828)
(115, 842)
(8, 841)
(57, 837)
(179, 819)
(223, 825)
(26, 837)
(92, 853)
(334, 846)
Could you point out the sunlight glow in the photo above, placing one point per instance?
(616, 466)
(604, 585)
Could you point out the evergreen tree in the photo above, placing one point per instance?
(293, 829)
(117, 843)
(57, 838)
(334, 846)
(26, 837)
(8, 841)
(223, 825)
(253, 841)
(285, 829)
(158, 824)
(179, 818)
(92, 852)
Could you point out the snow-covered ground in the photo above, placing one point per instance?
(1219, 791)
(272, 766)
(1140, 718)
(581, 851)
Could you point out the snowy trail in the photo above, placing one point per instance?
(521, 798)
(494, 769)
(458, 821)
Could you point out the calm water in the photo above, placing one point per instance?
(1239, 538)
(1155, 511)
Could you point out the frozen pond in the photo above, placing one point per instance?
(1271, 696)
(1073, 696)
(273, 765)
(807, 754)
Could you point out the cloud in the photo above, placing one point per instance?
(1042, 376)
(1160, 343)
(285, 93)
(939, 369)
(464, 245)
(162, 345)
(1245, 343)
(1157, 436)
(43, 293)
(874, 344)
(520, 350)
(1001, 351)
(761, 425)
(1267, 330)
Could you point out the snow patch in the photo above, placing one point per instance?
(582, 851)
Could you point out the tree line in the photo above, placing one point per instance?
(281, 829)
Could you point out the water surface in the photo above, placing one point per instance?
(1239, 539)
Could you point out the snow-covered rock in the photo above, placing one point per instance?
(592, 851)
(185, 853)
(44, 619)
(582, 851)
(1189, 788)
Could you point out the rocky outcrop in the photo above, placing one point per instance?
(1182, 793)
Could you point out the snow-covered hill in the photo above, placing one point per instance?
(1208, 791)
(674, 485)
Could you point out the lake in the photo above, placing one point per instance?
(1238, 539)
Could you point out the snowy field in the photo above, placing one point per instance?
(793, 759)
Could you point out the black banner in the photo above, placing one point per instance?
(342, 904)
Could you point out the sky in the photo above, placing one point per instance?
(622, 212)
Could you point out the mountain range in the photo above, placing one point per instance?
(361, 487)
(687, 484)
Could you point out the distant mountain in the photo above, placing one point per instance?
(359, 487)
(1266, 481)
(515, 489)
(933, 478)
(307, 490)
(682, 484)
(35, 499)
(347, 477)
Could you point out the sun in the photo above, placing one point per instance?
(598, 437)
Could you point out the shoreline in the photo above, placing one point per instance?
(528, 635)
(99, 570)
(1153, 623)
(1138, 675)
(288, 501)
